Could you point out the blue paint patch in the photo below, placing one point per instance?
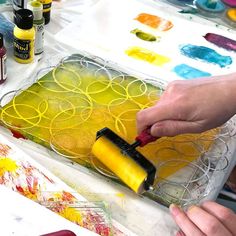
(188, 72)
(205, 54)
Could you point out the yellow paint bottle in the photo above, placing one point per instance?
(24, 36)
(47, 4)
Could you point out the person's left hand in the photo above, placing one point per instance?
(209, 219)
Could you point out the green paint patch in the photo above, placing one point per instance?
(145, 36)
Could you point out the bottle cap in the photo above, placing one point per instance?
(231, 14)
(230, 3)
(1, 40)
(37, 8)
(24, 19)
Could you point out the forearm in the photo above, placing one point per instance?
(230, 87)
(227, 84)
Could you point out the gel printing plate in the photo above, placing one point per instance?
(65, 108)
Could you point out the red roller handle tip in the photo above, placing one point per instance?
(145, 137)
(61, 233)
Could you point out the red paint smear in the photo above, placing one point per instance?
(67, 196)
(96, 222)
(32, 184)
(20, 189)
(17, 134)
(50, 180)
(4, 149)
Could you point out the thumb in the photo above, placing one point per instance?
(174, 127)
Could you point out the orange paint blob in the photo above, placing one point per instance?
(155, 22)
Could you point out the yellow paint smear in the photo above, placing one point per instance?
(71, 214)
(6, 164)
(147, 55)
(120, 195)
(155, 22)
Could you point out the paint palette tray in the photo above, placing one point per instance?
(152, 38)
(69, 103)
(221, 12)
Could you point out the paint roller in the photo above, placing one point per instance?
(124, 160)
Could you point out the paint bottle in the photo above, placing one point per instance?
(230, 17)
(3, 58)
(230, 3)
(37, 8)
(17, 5)
(47, 4)
(24, 36)
(210, 8)
(2, 1)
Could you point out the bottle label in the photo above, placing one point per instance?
(39, 38)
(46, 5)
(22, 48)
(3, 69)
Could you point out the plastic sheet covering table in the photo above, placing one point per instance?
(139, 214)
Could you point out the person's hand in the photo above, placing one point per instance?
(191, 106)
(210, 219)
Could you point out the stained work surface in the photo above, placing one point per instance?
(65, 108)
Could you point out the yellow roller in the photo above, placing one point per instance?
(124, 161)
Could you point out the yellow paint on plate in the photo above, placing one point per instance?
(147, 55)
(120, 195)
(66, 107)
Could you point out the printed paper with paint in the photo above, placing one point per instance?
(23, 175)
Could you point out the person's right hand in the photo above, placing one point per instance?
(191, 107)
